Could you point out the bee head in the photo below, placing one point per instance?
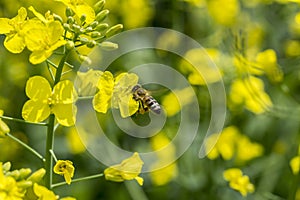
(136, 87)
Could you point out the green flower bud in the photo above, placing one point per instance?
(84, 40)
(88, 29)
(24, 172)
(67, 27)
(91, 44)
(95, 34)
(83, 18)
(102, 15)
(57, 17)
(94, 24)
(114, 30)
(15, 174)
(24, 184)
(76, 28)
(101, 27)
(69, 12)
(70, 20)
(85, 59)
(99, 6)
(6, 166)
(108, 45)
(37, 175)
(70, 45)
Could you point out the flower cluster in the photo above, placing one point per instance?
(43, 34)
(18, 184)
(238, 181)
(232, 144)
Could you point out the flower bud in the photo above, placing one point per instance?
(108, 45)
(6, 166)
(70, 20)
(102, 15)
(95, 34)
(83, 18)
(99, 6)
(102, 27)
(24, 172)
(88, 29)
(84, 40)
(57, 17)
(94, 24)
(91, 44)
(37, 175)
(67, 27)
(69, 12)
(70, 45)
(85, 59)
(24, 184)
(76, 28)
(114, 30)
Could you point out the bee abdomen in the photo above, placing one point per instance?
(154, 106)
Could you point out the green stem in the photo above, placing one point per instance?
(78, 180)
(26, 146)
(50, 130)
(23, 121)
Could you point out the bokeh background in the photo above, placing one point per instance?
(256, 46)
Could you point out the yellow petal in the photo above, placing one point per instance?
(37, 14)
(38, 88)
(43, 193)
(5, 26)
(35, 111)
(22, 14)
(128, 106)
(14, 43)
(65, 114)
(55, 31)
(64, 92)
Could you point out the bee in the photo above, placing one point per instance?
(146, 101)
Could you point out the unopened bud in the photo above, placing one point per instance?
(91, 44)
(94, 24)
(88, 29)
(67, 27)
(84, 40)
(76, 28)
(101, 27)
(24, 172)
(85, 59)
(70, 20)
(83, 18)
(108, 45)
(24, 184)
(37, 175)
(102, 15)
(99, 6)
(95, 34)
(57, 17)
(6, 166)
(69, 12)
(70, 45)
(114, 30)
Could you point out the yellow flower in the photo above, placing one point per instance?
(3, 126)
(9, 189)
(80, 8)
(295, 165)
(247, 150)
(224, 12)
(238, 182)
(162, 176)
(44, 101)
(250, 93)
(14, 31)
(65, 168)
(42, 39)
(267, 61)
(43, 193)
(128, 169)
(117, 92)
(86, 83)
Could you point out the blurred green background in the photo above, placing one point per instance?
(234, 32)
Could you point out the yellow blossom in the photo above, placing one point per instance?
(64, 168)
(224, 12)
(247, 150)
(116, 93)
(163, 175)
(43, 193)
(9, 189)
(14, 31)
(238, 181)
(250, 93)
(42, 39)
(80, 7)
(295, 164)
(86, 82)
(128, 169)
(4, 129)
(44, 101)
(267, 61)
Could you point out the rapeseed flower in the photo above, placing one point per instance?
(66, 169)
(44, 101)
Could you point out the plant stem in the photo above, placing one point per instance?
(23, 121)
(78, 179)
(50, 129)
(26, 146)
